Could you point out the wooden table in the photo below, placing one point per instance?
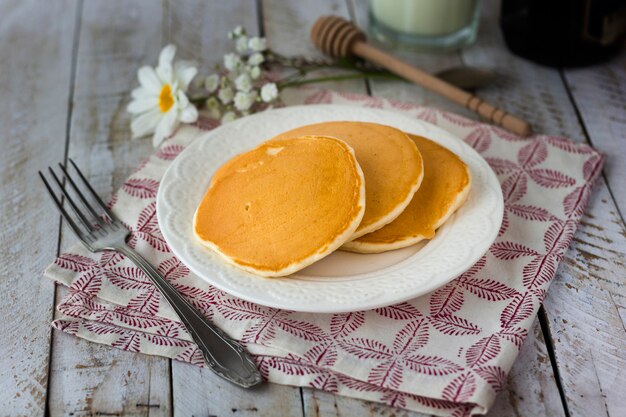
(66, 69)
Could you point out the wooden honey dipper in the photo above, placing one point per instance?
(339, 38)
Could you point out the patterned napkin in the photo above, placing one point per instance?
(445, 353)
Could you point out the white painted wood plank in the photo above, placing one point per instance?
(287, 26)
(588, 291)
(586, 306)
(200, 29)
(116, 38)
(91, 379)
(600, 95)
(531, 387)
(35, 75)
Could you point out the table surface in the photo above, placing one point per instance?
(66, 69)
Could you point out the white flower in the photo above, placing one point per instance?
(269, 92)
(239, 30)
(243, 101)
(255, 72)
(160, 102)
(243, 83)
(242, 44)
(257, 44)
(213, 106)
(225, 95)
(256, 59)
(212, 82)
(228, 117)
(232, 61)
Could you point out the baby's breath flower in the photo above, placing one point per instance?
(213, 106)
(237, 32)
(243, 101)
(229, 116)
(212, 82)
(232, 61)
(225, 95)
(269, 92)
(257, 44)
(242, 44)
(255, 72)
(256, 59)
(243, 83)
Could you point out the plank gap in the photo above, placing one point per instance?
(70, 103)
(547, 337)
(354, 18)
(171, 382)
(579, 117)
(302, 401)
(259, 17)
(68, 124)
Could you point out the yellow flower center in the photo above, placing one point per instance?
(166, 100)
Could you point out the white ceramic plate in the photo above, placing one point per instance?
(342, 281)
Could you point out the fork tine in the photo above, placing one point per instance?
(88, 225)
(95, 195)
(79, 234)
(81, 196)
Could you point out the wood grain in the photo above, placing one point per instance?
(586, 306)
(531, 386)
(35, 79)
(287, 24)
(585, 291)
(200, 29)
(599, 94)
(90, 379)
(115, 39)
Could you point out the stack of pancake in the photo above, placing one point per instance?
(356, 186)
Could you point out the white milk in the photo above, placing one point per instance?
(424, 17)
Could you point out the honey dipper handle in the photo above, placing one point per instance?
(417, 76)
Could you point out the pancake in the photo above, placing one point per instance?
(445, 187)
(283, 205)
(391, 164)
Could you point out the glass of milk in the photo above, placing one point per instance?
(427, 24)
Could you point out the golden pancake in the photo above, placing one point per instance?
(445, 187)
(282, 206)
(391, 164)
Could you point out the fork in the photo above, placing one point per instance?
(100, 230)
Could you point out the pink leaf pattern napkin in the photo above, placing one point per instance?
(446, 353)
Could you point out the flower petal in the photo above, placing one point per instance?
(189, 114)
(167, 55)
(142, 105)
(141, 92)
(164, 70)
(149, 79)
(184, 72)
(183, 101)
(145, 123)
(166, 127)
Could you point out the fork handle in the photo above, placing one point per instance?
(223, 355)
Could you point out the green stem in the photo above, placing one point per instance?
(361, 75)
(198, 100)
(290, 82)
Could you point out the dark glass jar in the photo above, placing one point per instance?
(563, 33)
